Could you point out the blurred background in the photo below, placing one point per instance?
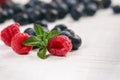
(27, 12)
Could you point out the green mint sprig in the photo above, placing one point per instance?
(41, 40)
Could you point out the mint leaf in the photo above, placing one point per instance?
(45, 36)
(39, 30)
(42, 53)
(52, 34)
(41, 40)
(32, 41)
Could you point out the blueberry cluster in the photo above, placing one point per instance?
(36, 10)
(75, 39)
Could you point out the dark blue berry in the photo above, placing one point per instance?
(66, 33)
(33, 3)
(76, 42)
(10, 13)
(17, 8)
(71, 3)
(60, 27)
(33, 14)
(75, 39)
(7, 5)
(63, 10)
(91, 9)
(48, 6)
(49, 12)
(116, 9)
(77, 11)
(97, 2)
(3, 16)
(42, 12)
(51, 15)
(70, 31)
(22, 18)
(106, 3)
(30, 31)
(61, 7)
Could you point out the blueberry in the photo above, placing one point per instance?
(22, 18)
(48, 6)
(97, 2)
(58, 1)
(33, 14)
(91, 9)
(71, 3)
(106, 3)
(17, 8)
(8, 4)
(51, 15)
(42, 12)
(70, 31)
(44, 25)
(3, 16)
(32, 3)
(61, 8)
(6, 14)
(76, 42)
(49, 12)
(60, 27)
(10, 13)
(77, 11)
(66, 33)
(30, 31)
(116, 9)
(86, 1)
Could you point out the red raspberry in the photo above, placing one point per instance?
(59, 45)
(9, 32)
(17, 44)
(1, 1)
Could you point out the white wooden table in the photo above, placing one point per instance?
(97, 59)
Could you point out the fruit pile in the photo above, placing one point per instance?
(36, 10)
(59, 41)
(75, 39)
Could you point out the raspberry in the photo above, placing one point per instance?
(59, 45)
(9, 32)
(17, 44)
(1, 1)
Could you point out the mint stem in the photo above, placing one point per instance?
(42, 53)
